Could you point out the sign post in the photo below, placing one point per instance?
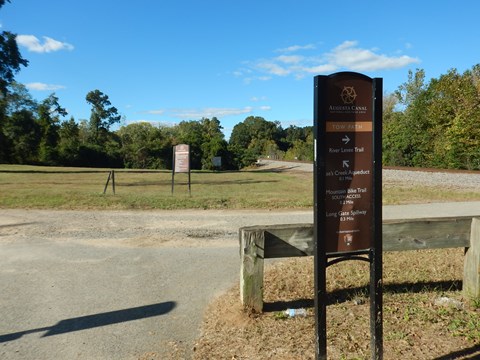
(181, 163)
(348, 185)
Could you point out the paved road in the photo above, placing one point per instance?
(110, 285)
(114, 285)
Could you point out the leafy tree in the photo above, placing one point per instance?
(206, 141)
(16, 100)
(298, 143)
(406, 138)
(191, 133)
(392, 122)
(69, 142)
(144, 146)
(105, 152)
(214, 144)
(48, 118)
(456, 113)
(253, 138)
(102, 116)
(10, 60)
(301, 150)
(439, 125)
(22, 133)
(294, 133)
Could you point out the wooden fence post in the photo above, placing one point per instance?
(471, 269)
(252, 245)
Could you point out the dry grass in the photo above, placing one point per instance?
(396, 192)
(257, 188)
(415, 327)
(80, 189)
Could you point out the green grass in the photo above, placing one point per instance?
(74, 188)
(393, 195)
(82, 188)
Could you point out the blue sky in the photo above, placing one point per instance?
(165, 61)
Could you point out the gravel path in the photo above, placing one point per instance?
(467, 180)
(446, 179)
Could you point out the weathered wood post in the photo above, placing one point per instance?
(471, 269)
(111, 175)
(252, 245)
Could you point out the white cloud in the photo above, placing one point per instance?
(294, 48)
(290, 59)
(43, 87)
(265, 108)
(157, 123)
(33, 44)
(271, 67)
(154, 112)
(318, 69)
(210, 112)
(349, 56)
(346, 56)
(257, 98)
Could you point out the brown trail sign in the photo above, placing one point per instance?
(181, 163)
(347, 194)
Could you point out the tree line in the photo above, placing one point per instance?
(434, 123)
(34, 132)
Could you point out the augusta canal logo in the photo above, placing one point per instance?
(348, 95)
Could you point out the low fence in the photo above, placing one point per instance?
(276, 241)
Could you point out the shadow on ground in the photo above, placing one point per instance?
(344, 295)
(96, 320)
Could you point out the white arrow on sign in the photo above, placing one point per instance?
(346, 163)
(346, 139)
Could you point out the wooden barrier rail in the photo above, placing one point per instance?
(276, 241)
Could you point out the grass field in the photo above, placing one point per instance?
(67, 188)
(81, 188)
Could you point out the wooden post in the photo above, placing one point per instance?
(111, 175)
(108, 180)
(113, 181)
(252, 244)
(471, 269)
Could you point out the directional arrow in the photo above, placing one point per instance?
(346, 163)
(346, 139)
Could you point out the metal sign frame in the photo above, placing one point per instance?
(348, 189)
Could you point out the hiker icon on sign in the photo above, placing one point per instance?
(348, 238)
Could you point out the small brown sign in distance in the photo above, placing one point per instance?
(182, 158)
